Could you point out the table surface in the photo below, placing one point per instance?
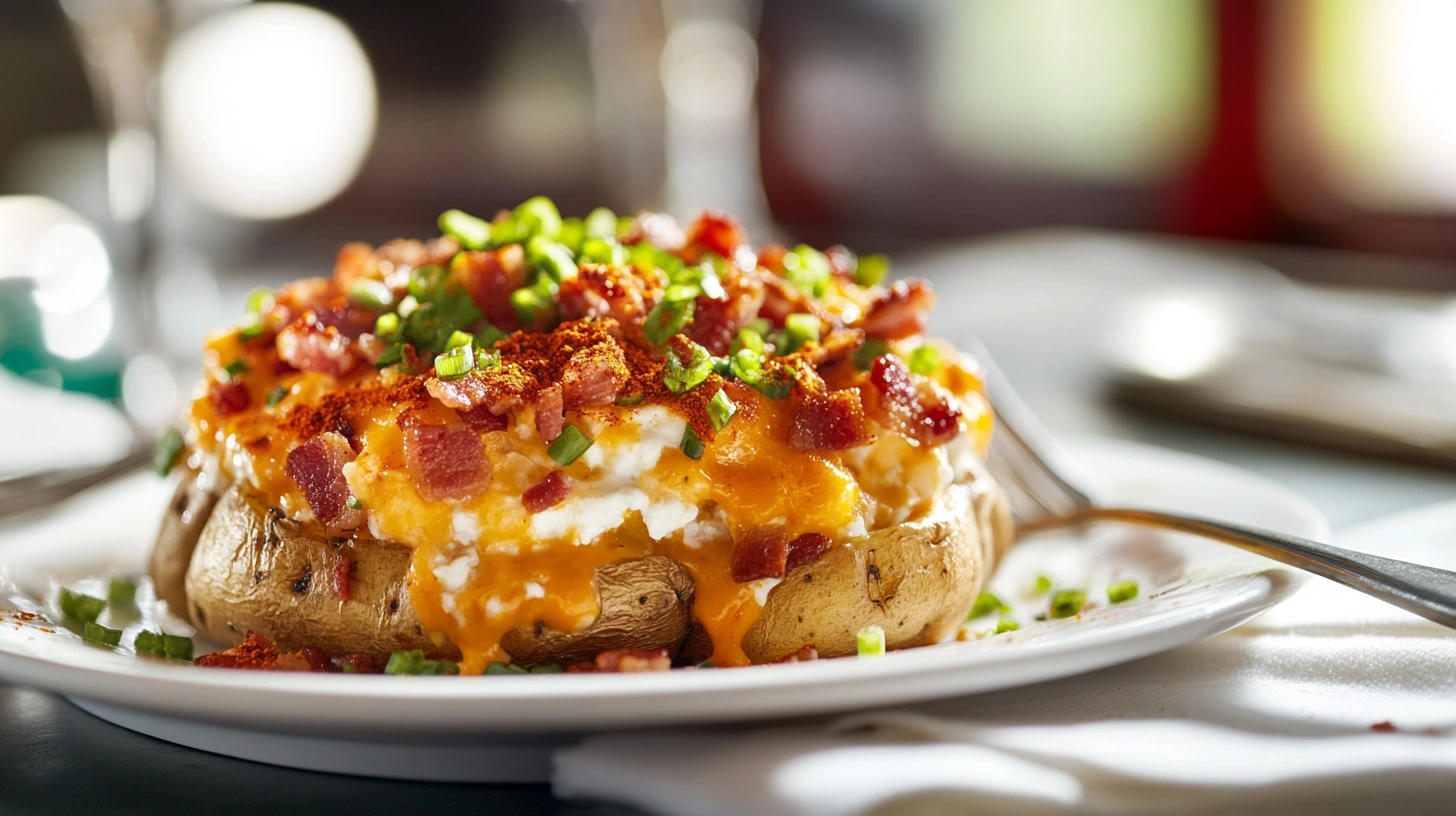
(1039, 304)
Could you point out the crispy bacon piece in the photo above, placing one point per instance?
(841, 261)
(293, 299)
(341, 577)
(351, 319)
(405, 252)
(604, 291)
(633, 660)
(760, 553)
(659, 229)
(550, 416)
(781, 299)
(547, 493)
(804, 655)
(498, 390)
(832, 420)
(308, 345)
(594, 376)
(490, 277)
(717, 320)
(317, 466)
(772, 258)
(258, 653)
(713, 232)
(481, 419)
(307, 659)
(370, 347)
(806, 549)
(255, 652)
(913, 405)
(228, 398)
(902, 311)
(445, 461)
(355, 262)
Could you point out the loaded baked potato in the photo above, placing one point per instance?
(542, 441)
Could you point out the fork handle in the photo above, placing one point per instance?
(1426, 591)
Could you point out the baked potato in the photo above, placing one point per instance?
(523, 444)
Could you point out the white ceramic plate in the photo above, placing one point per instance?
(501, 727)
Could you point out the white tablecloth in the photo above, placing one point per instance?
(1288, 714)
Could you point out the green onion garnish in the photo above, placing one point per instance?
(801, 329)
(601, 223)
(487, 359)
(176, 647)
(691, 444)
(1004, 626)
(353, 502)
(631, 399)
(488, 336)
(276, 396)
(553, 258)
(503, 668)
(682, 376)
(865, 356)
(387, 326)
(121, 595)
(236, 369)
(454, 363)
(506, 231)
(459, 339)
(666, 319)
(425, 282)
(149, 643)
(748, 367)
(1067, 603)
(252, 327)
(372, 293)
(808, 270)
(762, 325)
(538, 216)
(408, 306)
(529, 305)
(547, 668)
(925, 360)
(168, 451)
(471, 232)
(870, 641)
(98, 635)
(872, 269)
(569, 446)
(1042, 586)
(721, 409)
(259, 300)
(603, 251)
(415, 662)
(1122, 591)
(985, 604)
(746, 339)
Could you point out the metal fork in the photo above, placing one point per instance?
(1025, 462)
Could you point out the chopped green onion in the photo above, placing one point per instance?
(551, 257)
(682, 291)
(682, 376)
(666, 319)
(624, 224)
(426, 281)
(603, 251)
(353, 502)
(488, 337)
(98, 635)
(506, 231)
(252, 327)
(121, 595)
(723, 367)
(259, 300)
(631, 399)
(925, 360)
(1004, 626)
(601, 223)
(569, 446)
(177, 647)
(1067, 603)
(870, 641)
(985, 604)
(746, 339)
(1122, 591)
(573, 232)
(538, 216)
(487, 359)
(762, 325)
(691, 444)
(548, 668)
(236, 369)
(168, 451)
(455, 363)
(372, 293)
(393, 353)
(865, 356)
(808, 270)
(801, 329)
(386, 326)
(415, 662)
(150, 644)
(872, 269)
(276, 396)
(408, 306)
(459, 339)
(648, 257)
(529, 305)
(503, 668)
(471, 232)
(347, 669)
(721, 409)
(748, 367)
(1042, 586)
(81, 608)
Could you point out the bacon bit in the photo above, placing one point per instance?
(550, 416)
(317, 466)
(307, 345)
(370, 347)
(355, 262)
(921, 411)
(841, 261)
(594, 376)
(902, 311)
(351, 319)
(717, 320)
(481, 419)
(228, 398)
(444, 461)
(361, 664)
(806, 549)
(805, 654)
(772, 258)
(760, 553)
(498, 390)
(307, 659)
(633, 660)
(490, 277)
(1386, 726)
(341, 577)
(293, 300)
(829, 421)
(404, 252)
(659, 229)
(836, 346)
(547, 493)
(605, 291)
(255, 652)
(713, 232)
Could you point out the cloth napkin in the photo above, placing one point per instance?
(1332, 702)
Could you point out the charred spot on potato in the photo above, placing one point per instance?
(642, 600)
(259, 576)
(180, 502)
(305, 580)
(393, 604)
(198, 615)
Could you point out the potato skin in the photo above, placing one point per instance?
(182, 524)
(917, 580)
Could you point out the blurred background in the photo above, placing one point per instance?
(159, 159)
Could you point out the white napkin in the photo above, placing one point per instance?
(1275, 716)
